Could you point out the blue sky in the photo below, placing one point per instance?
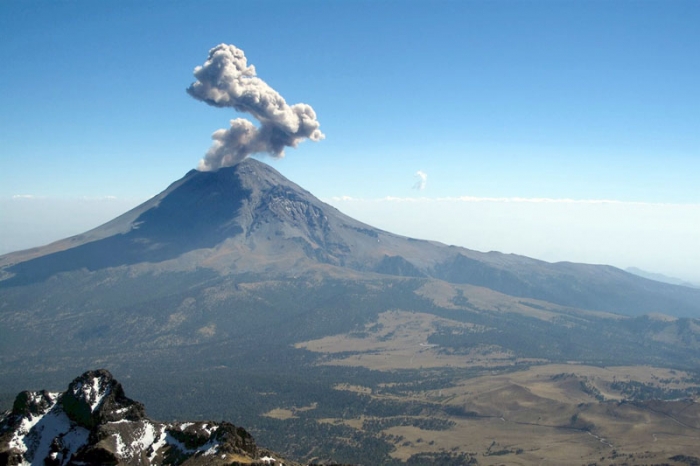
(492, 100)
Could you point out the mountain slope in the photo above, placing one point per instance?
(250, 219)
(239, 285)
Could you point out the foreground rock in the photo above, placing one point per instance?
(93, 422)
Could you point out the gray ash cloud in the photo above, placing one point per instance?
(226, 80)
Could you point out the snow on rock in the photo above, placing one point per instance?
(145, 437)
(92, 391)
(48, 433)
(121, 446)
(93, 422)
(158, 445)
(96, 397)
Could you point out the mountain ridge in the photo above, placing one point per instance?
(250, 218)
(661, 277)
(93, 422)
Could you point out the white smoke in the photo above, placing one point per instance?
(226, 80)
(421, 181)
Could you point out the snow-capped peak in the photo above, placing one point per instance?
(93, 422)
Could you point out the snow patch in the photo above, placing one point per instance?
(213, 450)
(269, 460)
(206, 428)
(145, 438)
(208, 449)
(121, 446)
(18, 440)
(120, 421)
(158, 444)
(93, 393)
(33, 438)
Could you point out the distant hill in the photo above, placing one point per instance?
(660, 277)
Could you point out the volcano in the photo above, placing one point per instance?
(250, 219)
(257, 303)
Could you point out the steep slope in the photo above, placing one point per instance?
(250, 219)
(93, 422)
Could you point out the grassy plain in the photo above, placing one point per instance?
(399, 340)
(515, 410)
(549, 414)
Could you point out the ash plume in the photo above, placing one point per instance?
(226, 80)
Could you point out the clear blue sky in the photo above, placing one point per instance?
(499, 99)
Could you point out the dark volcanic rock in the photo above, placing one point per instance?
(93, 422)
(32, 403)
(96, 398)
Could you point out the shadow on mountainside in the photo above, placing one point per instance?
(198, 214)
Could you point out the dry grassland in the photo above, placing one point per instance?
(444, 295)
(288, 413)
(555, 414)
(398, 340)
(547, 415)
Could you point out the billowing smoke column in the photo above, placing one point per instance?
(226, 80)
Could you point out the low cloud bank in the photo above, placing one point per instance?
(658, 237)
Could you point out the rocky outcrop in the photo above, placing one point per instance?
(95, 398)
(93, 422)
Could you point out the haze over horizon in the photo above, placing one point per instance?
(560, 131)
